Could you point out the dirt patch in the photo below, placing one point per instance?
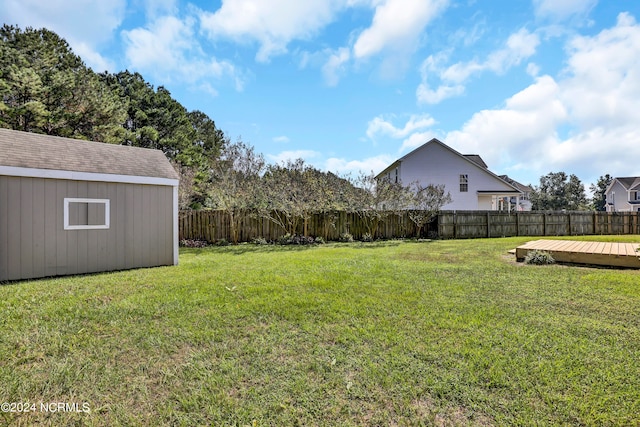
(450, 415)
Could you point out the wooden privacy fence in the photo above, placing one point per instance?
(213, 226)
(474, 224)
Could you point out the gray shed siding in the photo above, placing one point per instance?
(34, 243)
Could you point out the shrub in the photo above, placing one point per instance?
(319, 240)
(287, 239)
(193, 243)
(367, 237)
(260, 241)
(295, 239)
(346, 237)
(222, 242)
(539, 258)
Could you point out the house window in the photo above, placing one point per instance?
(634, 196)
(86, 214)
(396, 181)
(464, 183)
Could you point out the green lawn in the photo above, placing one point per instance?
(388, 333)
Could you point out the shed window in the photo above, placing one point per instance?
(86, 214)
(464, 183)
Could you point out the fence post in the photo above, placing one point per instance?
(455, 226)
(488, 223)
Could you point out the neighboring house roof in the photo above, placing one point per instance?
(519, 186)
(474, 159)
(631, 183)
(36, 151)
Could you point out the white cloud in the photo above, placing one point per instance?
(281, 139)
(518, 47)
(415, 140)
(272, 24)
(596, 98)
(533, 69)
(157, 8)
(167, 49)
(396, 27)
(560, 10)
(519, 131)
(396, 24)
(343, 166)
(335, 66)
(604, 84)
(380, 126)
(426, 95)
(284, 156)
(92, 58)
(84, 24)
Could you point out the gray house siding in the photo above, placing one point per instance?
(34, 241)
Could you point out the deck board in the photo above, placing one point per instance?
(586, 252)
(591, 247)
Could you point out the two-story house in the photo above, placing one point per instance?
(623, 195)
(466, 177)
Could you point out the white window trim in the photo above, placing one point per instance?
(464, 181)
(107, 210)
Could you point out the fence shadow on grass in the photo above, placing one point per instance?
(244, 248)
(378, 244)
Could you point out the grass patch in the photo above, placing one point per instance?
(384, 333)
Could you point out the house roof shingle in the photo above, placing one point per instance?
(519, 186)
(630, 183)
(475, 158)
(36, 151)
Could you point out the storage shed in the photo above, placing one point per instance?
(70, 207)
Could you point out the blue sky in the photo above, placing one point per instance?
(533, 86)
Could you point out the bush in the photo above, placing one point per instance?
(287, 239)
(295, 239)
(194, 243)
(346, 237)
(260, 241)
(367, 237)
(319, 240)
(222, 242)
(539, 258)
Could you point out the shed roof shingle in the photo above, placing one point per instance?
(31, 150)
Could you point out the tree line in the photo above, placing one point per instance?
(559, 191)
(45, 88)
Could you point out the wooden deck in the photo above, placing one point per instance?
(594, 253)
